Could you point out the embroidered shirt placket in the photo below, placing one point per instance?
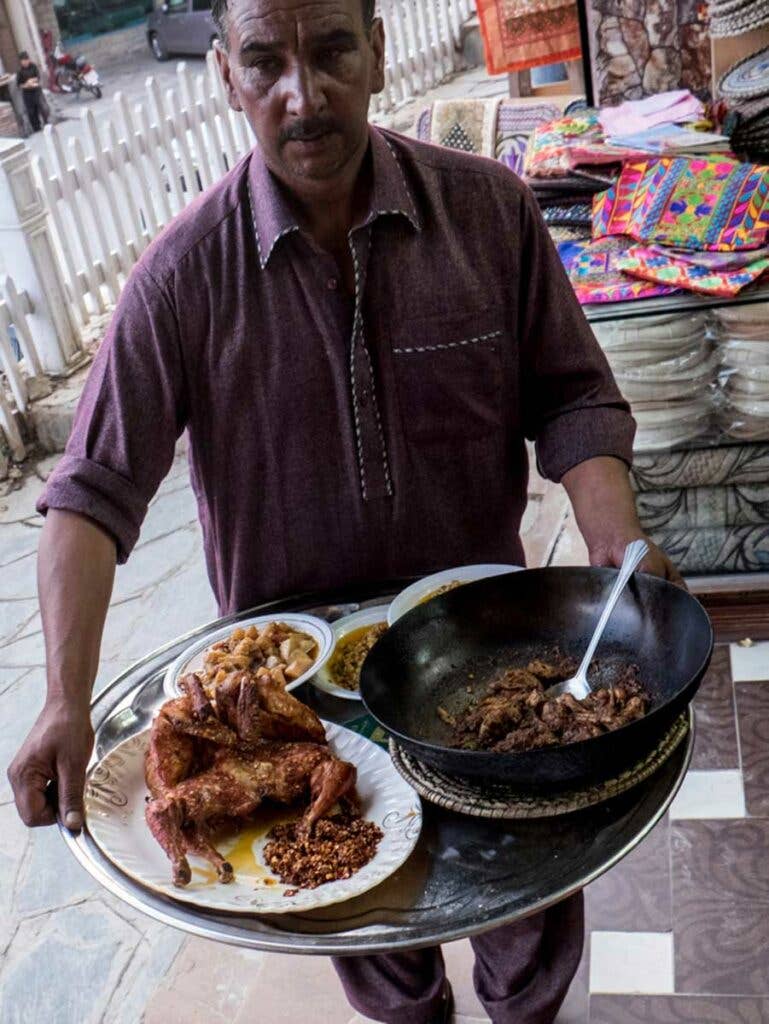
(353, 342)
(357, 342)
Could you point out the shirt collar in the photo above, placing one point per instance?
(273, 217)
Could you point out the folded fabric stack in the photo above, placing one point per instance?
(663, 123)
(707, 508)
(666, 368)
(745, 89)
(693, 223)
(743, 334)
(557, 149)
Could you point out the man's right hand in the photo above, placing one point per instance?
(56, 750)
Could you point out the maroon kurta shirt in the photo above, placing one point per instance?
(338, 438)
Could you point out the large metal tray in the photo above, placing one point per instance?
(465, 876)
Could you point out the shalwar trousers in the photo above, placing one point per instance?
(522, 972)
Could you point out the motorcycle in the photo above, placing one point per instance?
(70, 74)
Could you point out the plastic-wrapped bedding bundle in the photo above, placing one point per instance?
(665, 367)
(743, 333)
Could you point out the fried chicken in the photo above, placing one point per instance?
(211, 761)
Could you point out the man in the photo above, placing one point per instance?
(358, 331)
(28, 80)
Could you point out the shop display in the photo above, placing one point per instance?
(633, 224)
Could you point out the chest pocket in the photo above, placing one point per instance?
(449, 375)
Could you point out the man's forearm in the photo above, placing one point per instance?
(75, 573)
(603, 502)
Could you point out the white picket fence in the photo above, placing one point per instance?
(24, 378)
(423, 39)
(115, 187)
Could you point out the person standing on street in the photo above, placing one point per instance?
(28, 80)
(358, 332)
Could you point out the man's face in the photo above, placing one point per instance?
(303, 72)
(26, 62)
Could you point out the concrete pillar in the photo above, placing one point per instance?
(28, 256)
(25, 30)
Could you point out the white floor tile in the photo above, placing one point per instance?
(630, 962)
(750, 664)
(718, 794)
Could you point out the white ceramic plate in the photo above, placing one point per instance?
(342, 628)
(422, 589)
(191, 660)
(114, 812)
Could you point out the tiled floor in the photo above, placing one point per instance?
(679, 930)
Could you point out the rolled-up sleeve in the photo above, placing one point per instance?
(572, 407)
(129, 417)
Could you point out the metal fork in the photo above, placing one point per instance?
(578, 686)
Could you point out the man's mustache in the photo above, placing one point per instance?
(308, 128)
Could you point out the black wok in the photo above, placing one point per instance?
(425, 659)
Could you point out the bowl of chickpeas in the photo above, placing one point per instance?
(290, 648)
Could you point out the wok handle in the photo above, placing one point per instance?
(635, 553)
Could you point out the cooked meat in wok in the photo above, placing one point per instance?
(514, 715)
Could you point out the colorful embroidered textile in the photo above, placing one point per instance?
(514, 126)
(695, 203)
(562, 145)
(463, 124)
(519, 34)
(593, 271)
(469, 125)
(682, 271)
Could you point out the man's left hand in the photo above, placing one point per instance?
(656, 562)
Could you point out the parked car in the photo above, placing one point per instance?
(181, 26)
